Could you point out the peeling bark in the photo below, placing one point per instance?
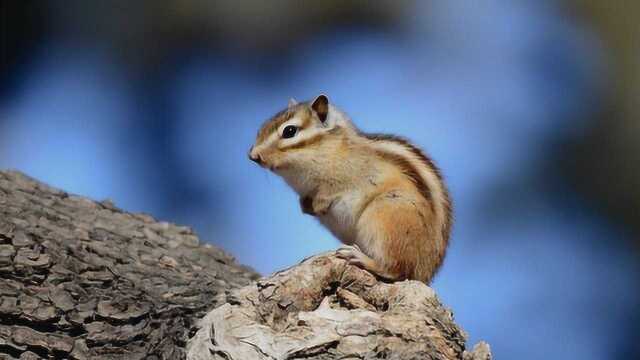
(81, 279)
(326, 309)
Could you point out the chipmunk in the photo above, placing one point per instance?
(378, 194)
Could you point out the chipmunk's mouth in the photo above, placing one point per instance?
(279, 167)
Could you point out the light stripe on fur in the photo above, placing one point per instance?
(427, 171)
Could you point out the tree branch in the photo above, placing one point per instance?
(81, 279)
(323, 308)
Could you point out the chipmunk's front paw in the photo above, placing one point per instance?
(353, 255)
(321, 204)
(315, 205)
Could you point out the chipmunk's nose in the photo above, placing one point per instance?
(255, 157)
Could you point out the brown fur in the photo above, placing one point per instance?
(366, 192)
(280, 118)
(413, 173)
(312, 141)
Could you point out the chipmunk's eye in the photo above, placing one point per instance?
(289, 131)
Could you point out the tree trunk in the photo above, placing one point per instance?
(81, 279)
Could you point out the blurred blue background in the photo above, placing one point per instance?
(529, 107)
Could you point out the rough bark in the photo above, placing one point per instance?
(82, 279)
(326, 309)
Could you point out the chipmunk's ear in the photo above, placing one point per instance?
(292, 103)
(321, 106)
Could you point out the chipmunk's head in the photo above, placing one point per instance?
(294, 135)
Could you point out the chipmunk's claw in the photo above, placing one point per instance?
(352, 254)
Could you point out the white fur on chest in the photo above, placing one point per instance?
(340, 217)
